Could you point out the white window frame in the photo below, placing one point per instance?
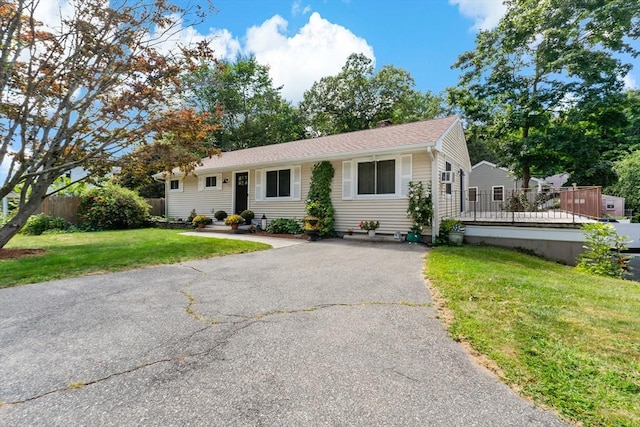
(448, 184)
(403, 174)
(295, 173)
(175, 190)
(611, 206)
(475, 190)
(202, 182)
(493, 189)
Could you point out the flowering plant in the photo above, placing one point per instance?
(369, 225)
(200, 219)
(234, 219)
(420, 208)
(415, 229)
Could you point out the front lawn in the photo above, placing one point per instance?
(75, 254)
(568, 340)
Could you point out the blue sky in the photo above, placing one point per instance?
(303, 40)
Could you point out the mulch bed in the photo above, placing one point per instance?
(19, 253)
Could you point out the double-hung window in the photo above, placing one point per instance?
(210, 182)
(497, 193)
(278, 183)
(175, 185)
(377, 177)
(383, 177)
(473, 194)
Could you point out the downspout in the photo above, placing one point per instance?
(435, 196)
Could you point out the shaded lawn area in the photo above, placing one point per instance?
(568, 340)
(75, 254)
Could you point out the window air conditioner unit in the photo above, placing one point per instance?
(447, 177)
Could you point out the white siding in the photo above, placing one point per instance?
(454, 151)
(392, 213)
(293, 209)
(180, 204)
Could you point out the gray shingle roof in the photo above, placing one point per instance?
(416, 134)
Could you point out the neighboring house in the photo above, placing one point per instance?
(557, 181)
(372, 171)
(494, 183)
(612, 206)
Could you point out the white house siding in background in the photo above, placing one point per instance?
(420, 151)
(456, 154)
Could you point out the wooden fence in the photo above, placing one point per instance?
(67, 207)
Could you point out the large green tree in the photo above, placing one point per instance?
(542, 58)
(628, 183)
(357, 98)
(242, 100)
(592, 136)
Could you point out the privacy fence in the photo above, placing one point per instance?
(67, 207)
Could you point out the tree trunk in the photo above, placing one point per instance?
(526, 169)
(526, 176)
(16, 223)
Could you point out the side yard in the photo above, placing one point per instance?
(567, 340)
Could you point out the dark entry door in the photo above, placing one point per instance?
(242, 191)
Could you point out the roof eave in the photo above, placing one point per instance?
(337, 156)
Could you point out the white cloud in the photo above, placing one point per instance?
(50, 12)
(298, 9)
(630, 82)
(485, 13)
(319, 49)
(220, 40)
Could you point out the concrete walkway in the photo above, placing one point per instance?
(275, 242)
(319, 333)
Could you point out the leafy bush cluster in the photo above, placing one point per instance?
(447, 225)
(112, 208)
(318, 202)
(603, 251)
(284, 226)
(41, 223)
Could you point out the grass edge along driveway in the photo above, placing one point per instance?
(76, 254)
(567, 340)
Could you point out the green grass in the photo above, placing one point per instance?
(75, 254)
(568, 340)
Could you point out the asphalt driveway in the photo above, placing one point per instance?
(326, 333)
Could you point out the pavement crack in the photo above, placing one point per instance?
(404, 375)
(191, 300)
(77, 385)
(331, 305)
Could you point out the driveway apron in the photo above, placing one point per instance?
(326, 333)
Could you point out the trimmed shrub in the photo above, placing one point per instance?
(112, 208)
(248, 215)
(284, 226)
(38, 224)
(220, 215)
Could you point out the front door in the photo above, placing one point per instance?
(242, 192)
